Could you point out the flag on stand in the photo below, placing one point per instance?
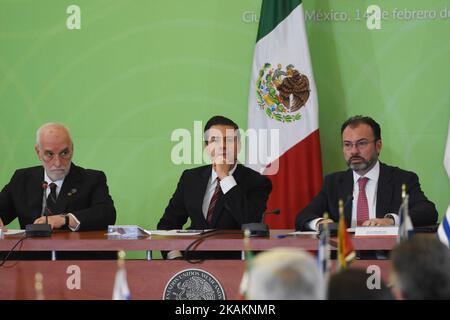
(444, 229)
(345, 253)
(283, 111)
(245, 281)
(121, 290)
(323, 254)
(405, 228)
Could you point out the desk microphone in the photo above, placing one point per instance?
(259, 229)
(41, 229)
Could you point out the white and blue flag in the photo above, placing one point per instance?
(406, 228)
(444, 229)
(323, 254)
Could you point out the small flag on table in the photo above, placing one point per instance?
(346, 253)
(405, 229)
(323, 254)
(121, 290)
(444, 229)
(245, 281)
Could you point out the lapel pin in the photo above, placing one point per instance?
(72, 192)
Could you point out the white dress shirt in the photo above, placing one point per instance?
(59, 184)
(371, 194)
(226, 184)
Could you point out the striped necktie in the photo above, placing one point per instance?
(213, 201)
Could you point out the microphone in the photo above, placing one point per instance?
(334, 226)
(259, 229)
(276, 211)
(42, 229)
(44, 201)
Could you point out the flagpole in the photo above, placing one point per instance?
(324, 250)
(341, 260)
(346, 253)
(121, 290)
(245, 281)
(406, 228)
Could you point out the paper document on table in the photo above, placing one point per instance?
(303, 232)
(177, 232)
(127, 231)
(11, 232)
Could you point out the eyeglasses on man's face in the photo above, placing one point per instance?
(360, 145)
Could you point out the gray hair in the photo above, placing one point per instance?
(421, 268)
(50, 124)
(285, 274)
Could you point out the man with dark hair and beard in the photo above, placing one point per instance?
(371, 190)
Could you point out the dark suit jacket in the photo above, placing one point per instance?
(244, 203)
(84, 193)
(339, 185)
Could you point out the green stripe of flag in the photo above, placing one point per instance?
(272, 13)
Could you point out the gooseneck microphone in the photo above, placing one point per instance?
(41, 229)
(44, 211)
(276, 211)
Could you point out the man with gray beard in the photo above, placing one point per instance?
(370, 189)
(77, 199)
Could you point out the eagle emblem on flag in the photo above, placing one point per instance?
(281, 93)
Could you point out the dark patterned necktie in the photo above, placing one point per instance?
(213, 201)
(51, 199)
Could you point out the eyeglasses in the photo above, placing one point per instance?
(49, 155)
(360, 145)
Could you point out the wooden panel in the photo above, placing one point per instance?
(146, 279)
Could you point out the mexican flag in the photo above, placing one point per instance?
(283, 112)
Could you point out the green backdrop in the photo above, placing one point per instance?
(137, 70)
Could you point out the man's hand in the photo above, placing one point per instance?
(378, 222)
(323, 221)
(2, 226)
(56, 221)
(221, 167)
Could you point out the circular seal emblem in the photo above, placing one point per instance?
(193, 284)
(282, 92)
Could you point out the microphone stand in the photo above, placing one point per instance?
(41, 229)
(259, 229)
